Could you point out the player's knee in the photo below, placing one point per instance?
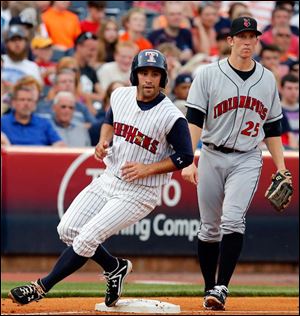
(237, 226)
(65, 233)
(210, 235)
(85, 247)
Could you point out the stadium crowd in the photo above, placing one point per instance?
(59, 64)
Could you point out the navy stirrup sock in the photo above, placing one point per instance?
(208, 254)
(231, 247)
(105, 259)
(68, 262)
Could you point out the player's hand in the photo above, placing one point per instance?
(190, 174)
(134, 170)
(101, 150)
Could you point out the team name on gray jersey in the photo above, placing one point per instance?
(236, 110)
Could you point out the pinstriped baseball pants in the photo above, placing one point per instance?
(104, 207)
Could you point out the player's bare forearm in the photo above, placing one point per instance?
(275, 148)
(106, 133)
(134, 170)
(196, 132)
(190, 173)
(106, 136)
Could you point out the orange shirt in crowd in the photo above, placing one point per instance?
(62, 26)
(142, 42)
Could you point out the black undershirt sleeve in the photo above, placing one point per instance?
(179, 137)
(272, 129)
(195, 117)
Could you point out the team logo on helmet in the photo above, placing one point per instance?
(151, 56)
(247, 22)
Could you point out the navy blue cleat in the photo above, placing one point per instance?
(215, 299)
(115, 279)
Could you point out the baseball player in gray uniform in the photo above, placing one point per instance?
(140, 146)
(233, 105)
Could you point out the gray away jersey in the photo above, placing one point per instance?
(140, 136)
(235, 110)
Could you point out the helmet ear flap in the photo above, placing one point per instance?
(133, 76)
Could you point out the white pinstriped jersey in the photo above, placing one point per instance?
(140, 136)
(235, 110)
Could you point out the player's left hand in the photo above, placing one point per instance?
(134, 170)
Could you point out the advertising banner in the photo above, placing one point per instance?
(38, 185)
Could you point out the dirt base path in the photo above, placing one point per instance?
(189, 306)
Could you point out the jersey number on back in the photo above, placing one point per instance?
(251, 129)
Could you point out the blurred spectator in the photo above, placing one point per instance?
(223, 23)
(86, 50)
(4, 140)
(288, 138)
(107, 41)
(270, 58)
(172, 54)
(72, 134)
(62, 25)
(31, 83)
(204, 35)
(280, 21)
(25, 82)
(152, 6)
(65, 81)
(28, 20)
(290, 102)
(237, 9)
(5, 16)
(95, 17)
(43, 6)
(288, 43)
(160, 21)
(43, 51)
(15, 62)
(70, 63)
(94, 130)
(173, 33)
(6, 89)
(23, 127)
(181, 89)
(294, 68)
(118, 70)
(222, 47)
(134, 23)
(280, 16)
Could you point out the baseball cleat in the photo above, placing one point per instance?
(215, 299)
(27, 293)
(115, 281)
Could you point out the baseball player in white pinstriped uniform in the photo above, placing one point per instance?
(233, 105)
(143, 126)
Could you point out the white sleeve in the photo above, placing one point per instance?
(275, 112)
(198, 96)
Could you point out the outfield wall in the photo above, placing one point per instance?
(39, 183)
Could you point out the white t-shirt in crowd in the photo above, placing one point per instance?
(110, 72)
(13, 71)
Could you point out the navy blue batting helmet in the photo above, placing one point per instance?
(149, 58)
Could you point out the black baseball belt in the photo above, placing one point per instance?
(223, 149)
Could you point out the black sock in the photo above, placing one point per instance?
(208, 254)
(105, 259)
(231, 247)
(68, 262)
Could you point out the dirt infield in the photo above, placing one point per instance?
(189, 306)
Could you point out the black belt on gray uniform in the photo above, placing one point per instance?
(223, 149)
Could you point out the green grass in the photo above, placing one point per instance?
(85, 289)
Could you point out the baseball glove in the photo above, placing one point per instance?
(280, 191)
